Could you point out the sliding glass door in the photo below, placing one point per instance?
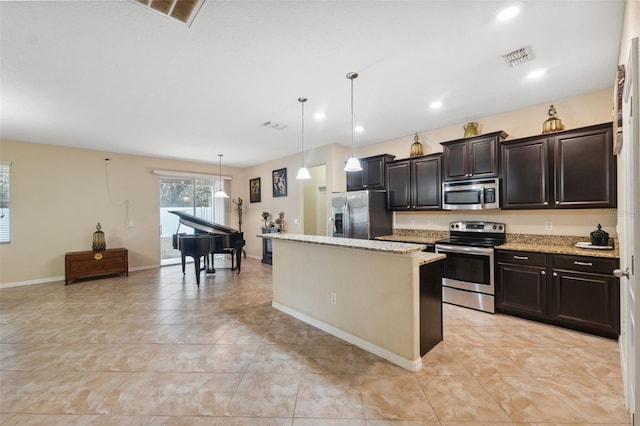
(192, 195)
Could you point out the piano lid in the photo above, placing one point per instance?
(202, 225)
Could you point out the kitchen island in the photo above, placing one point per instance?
(384, 297)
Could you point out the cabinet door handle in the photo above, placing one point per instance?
(543, 273)
(582, 263)
(521, 257)
(557, 202)
(555, 274)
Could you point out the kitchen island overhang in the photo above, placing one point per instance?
(365, 292)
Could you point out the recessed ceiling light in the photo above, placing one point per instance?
(320, 116)
(358, 129)
(535, 74)
(435, 105)
(508, 13)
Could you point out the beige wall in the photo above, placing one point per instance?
(59, 194)
(577, 111)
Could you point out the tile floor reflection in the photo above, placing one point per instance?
(153, 349)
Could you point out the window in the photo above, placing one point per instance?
(192, 195)
(5, 228)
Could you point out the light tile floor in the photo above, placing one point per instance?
(153, 349)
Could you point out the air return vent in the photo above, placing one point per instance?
(272, 125)
(181, 10)
(518, 56)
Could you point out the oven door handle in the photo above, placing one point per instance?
(464, 250)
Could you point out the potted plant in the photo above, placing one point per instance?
(265, 217)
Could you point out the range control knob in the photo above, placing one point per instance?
(495, 227)
(500, 227)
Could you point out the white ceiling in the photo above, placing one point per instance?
(115, 77)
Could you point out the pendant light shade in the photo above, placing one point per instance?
(353, 164)
(303, 173)
(220, 193)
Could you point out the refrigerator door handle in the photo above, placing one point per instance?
(346, 222)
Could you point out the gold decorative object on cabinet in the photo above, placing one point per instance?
(98, 239)
(553, 123)
(470, 129)
(416, 147)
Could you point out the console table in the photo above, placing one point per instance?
(83, 264)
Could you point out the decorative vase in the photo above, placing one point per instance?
(416, 147)
(470, 129)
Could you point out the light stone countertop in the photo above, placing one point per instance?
(409, 239)
(424, 258)
(560, 249)
(371, 245)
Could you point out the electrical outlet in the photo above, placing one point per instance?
(548, 226)
(295, 221)
(431, 224)
(333, 297)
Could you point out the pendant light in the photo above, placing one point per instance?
(220, 193)
(303, 173)
(353, 164)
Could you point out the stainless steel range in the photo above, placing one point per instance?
(468, 274)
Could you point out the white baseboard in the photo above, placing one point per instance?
(411, 365)
(61, 278)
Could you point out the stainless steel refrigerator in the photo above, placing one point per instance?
(360, 214)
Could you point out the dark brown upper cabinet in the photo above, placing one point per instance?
(415, 183)
(571, 169)
(477, 157)
(373, 174)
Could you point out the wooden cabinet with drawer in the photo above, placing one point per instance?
(577, 292)
(521, 283)
(84, 264)
(585, 295)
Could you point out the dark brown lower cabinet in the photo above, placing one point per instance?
(430, 306)
(576, 292)
(586, 299)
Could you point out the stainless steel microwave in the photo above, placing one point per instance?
(471, 194)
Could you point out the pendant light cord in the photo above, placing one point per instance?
(353, 150)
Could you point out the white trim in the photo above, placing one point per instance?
(407, 364)
(173, 173)
(61, 278)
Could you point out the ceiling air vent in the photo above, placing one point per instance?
(518, 56)
(182, 10)
(272, 125)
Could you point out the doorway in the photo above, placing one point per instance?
(315, 201)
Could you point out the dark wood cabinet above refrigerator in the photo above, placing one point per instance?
(415, 183)
(373, 174)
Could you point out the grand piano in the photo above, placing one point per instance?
(209, 238)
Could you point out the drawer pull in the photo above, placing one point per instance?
(543, 273)
(521, 257)
(555, 274)
(582, 263)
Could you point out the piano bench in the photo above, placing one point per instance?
(225, 251)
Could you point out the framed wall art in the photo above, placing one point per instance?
(280, 183)
(617, 110)
(255, 190)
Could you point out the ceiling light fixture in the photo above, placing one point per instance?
(435, 105)
(535, 74)
(353, 164)
(508, 13)
(320, 116)
(303, 173)
(220, 193)
(358, 129)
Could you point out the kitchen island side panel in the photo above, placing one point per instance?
(376, 294)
